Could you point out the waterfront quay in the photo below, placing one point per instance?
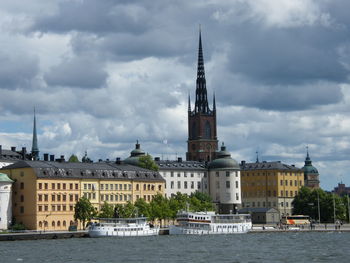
(37, 235)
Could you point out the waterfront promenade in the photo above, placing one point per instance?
(34, 235)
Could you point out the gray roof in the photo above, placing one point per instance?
(181, 165)
(101, 170)
(269, 166)
(8, 155)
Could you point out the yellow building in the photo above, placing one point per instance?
(45, 193)
(270, 185)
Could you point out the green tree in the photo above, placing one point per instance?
(306, 203)
(159, 208)
(107, 211)
(84, 210)
(177, 203)
(147, 162)
(201, 202)
(143, 208)
(73, 159)
(126, 211)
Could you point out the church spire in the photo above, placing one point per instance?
(201, 104)
(35, 148)
(189, 103)
(214, 103)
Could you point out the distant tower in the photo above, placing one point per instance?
(35, 148)
(311, 175)
(202, 141)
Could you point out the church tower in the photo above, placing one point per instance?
(202, 142)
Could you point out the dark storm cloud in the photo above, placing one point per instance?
(77, 72)
(17, 70)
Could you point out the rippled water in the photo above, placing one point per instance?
(254, 247)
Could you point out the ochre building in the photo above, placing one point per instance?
(270, 185)
(45, 193)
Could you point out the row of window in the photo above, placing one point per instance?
(269, 193)
(54, 223)
(187, 185)
(58, 186)
(57, 197)
(228, 174)
(55, 208)
(121, 187)
(115, 198)
(270, 174)
(291, 182)
(259, 204)
(227, 196)
(185, 174)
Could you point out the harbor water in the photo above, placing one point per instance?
(253, 247)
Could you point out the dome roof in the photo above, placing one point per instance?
(5, 179)
(223, 160)
(308, 168)
(135, 154)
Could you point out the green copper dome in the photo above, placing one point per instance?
(135, 154)
(5, 179)
(308, 168)
(223, 160)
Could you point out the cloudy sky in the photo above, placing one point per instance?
(104, 73)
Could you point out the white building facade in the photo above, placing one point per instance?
(225, 182)
(185, 177)
(5, 201)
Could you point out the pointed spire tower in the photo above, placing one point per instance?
(35, 148)
(202, 141)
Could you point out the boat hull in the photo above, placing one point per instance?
(111, 232)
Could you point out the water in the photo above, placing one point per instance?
(255, 247)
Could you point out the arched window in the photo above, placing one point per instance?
(194, 131)
(58, 223)
(53, 224)
(64, 223)
(46, 224)
(40, 224)
(207, 130)
(71, 223)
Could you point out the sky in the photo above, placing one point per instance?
(105, 73)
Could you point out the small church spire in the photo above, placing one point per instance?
(35, 148)
(189, 102)
(257, 157)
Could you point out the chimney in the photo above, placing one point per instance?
(107, 160)
(62, 159)
(243, 163)
(13, 148)
(100, 160)
(157, 159)
(118, 161)
(24, 152)
(293, 165)
(46, 157)
(179, 159)
(52, 158)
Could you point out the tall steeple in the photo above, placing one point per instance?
(202, 142)
(201, 104)
(35, 148)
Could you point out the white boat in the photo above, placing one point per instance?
(202, 223)
(122, 227)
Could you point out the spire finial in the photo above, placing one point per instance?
(35, 148)
(257, 156)
(214, 102)
(189, 102)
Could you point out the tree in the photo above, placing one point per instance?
(160, 207)
(73, 159)
(107, 211)
(126, 211)
(200, 202)
(147, 162)
(84, 210)
(177, 203)
(306, 203)
(143, 208)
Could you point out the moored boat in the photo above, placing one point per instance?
(122, 227)
(201, 223)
